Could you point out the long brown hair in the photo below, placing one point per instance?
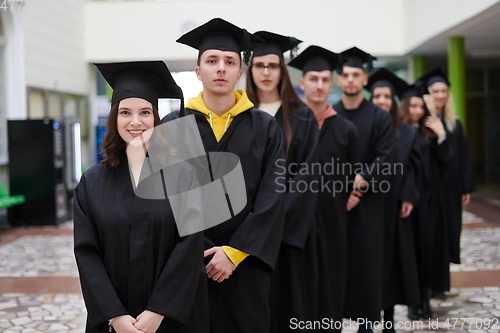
(113, 145)
(288, 96)
(404, 115)
(393, 112)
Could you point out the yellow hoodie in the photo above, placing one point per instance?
(219, 126)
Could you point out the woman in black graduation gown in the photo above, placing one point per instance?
(294, 280)
(137, 273)
(429, 216)
(460, 180)
(400, 281)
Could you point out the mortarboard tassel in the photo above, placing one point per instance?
(294, 50)
(247, 47)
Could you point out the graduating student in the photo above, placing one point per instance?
(294, 280)
(429, 216)
(366, 221)
(243, 250)
(137, 273)
(337, 147)
(460, 182)
(400, 278)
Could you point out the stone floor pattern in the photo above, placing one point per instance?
(471, 306)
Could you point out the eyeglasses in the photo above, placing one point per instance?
(271, 67)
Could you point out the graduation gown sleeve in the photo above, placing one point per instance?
(299, 203)
(442, 152)
(260, 232)
(100, 296)
(175, 289)
(384, 144)
(352, 153)
(409, 188)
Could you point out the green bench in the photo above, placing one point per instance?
(7, 201)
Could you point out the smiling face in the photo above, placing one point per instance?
(416, 109)
(219, 71)
(316, 86)
(266, 72)
(135, 116)
(382, 97)
(439, 93)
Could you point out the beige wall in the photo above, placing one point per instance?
(54, 45)
(148, 30)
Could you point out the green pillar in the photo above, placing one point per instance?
(419, 65)
(456, 75)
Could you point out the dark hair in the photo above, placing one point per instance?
(404, 116)
(393, 111)
(113, 145)
(288, 96)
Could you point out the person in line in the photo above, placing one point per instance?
(294, 280)
(337, 146)
(460, 179)
(242, 251)
(137, 273)
(366, 221)
(429, 216)
(400, 283)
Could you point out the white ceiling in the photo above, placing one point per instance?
(481, 33)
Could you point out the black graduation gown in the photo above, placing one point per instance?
(429, 218)
(241, 303)
(401, 284)
(460, 181)
(337, 146)
(294, 279)
(365, 221)
(129, 253)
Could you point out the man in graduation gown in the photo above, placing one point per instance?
(337, 147)
(365, 222)
(242, 251)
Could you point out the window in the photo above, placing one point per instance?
(101, 84)
(36, 104)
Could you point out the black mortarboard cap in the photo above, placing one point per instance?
(355, 57)
(434, 75)
(275, 44)
(148, 80)
(385, 78)
(218, 34)
(316, 58)
(414, 90)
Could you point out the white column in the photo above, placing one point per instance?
(15, 77)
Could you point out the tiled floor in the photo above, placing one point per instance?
(47, 312)
(475, 310)
(40, 292)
